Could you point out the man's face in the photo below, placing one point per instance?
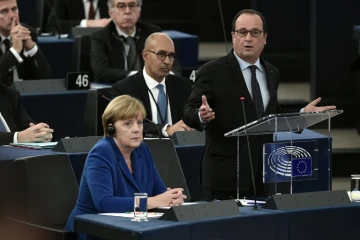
(248, 47)
(159, 57)
(8, 10)
(125, 14)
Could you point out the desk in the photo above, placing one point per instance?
(310, 224)
(63, 111)
(59, 51)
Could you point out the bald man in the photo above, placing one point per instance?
(163, 95)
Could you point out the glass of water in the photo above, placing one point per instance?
(140, 207)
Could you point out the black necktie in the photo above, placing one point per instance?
(7, 44)
(256, 93)
(132, 59)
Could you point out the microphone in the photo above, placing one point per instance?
(242, 98)
(148, 135)
(223, 26)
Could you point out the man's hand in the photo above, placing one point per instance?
(18, 35)
(40, 132)
(98, 22)
(311, 107)
(206, 113)
(179, 126)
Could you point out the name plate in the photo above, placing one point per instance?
(78, 80)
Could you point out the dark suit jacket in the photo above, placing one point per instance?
(35, 67)
(69, 13)
(178, 90)
(107, 185)
(13, 113)
(222, 82)
(107, 51)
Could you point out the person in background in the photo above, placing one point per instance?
(116, 49)
(163, 95)
(20, 56)
(215, 106)
(67, 14)
(120, 165)
(15, 124)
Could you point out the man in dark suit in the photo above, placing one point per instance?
(154, 81)
(15, 124)
(116, 49)
(215, 106)
(84, 13)
(20, 56)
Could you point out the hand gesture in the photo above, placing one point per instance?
(179, 126)
(40, 132)
(20, 36)
(206, 113)
(98, 22)
(311, 107)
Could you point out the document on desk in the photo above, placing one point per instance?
(46, 145)
(247, 202)
(131, 214)
(184, 204)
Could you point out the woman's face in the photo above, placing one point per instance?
(129, 133)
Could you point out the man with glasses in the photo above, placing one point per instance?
(20, 57)
(67, 14)
(116, 49)
(163, 95)
(215, 105)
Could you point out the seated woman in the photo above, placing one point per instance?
(120, 165)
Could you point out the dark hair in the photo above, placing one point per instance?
(249, 11)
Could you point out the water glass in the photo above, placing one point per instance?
(140, 207)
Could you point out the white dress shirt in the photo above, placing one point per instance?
(260, 76)
(151, 84)
(125, 44)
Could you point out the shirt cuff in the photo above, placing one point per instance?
(83, 23)
(17, 56)
(15, 140)
(164, 132)
(302, 110)
(31, 52)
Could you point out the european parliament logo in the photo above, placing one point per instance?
(286, 161)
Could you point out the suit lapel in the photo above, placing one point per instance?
(117, 47)
(271, 85)
(239, 85)
(122, 164)
(171, 91)
(103, 9)
(143, 93)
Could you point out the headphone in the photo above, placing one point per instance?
(111, 130)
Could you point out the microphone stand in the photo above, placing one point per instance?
(251, 166)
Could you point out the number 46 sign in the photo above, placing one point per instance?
(78, 80)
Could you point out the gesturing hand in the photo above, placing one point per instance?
(311, 107)
(206, 113)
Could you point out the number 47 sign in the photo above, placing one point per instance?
(78, 80)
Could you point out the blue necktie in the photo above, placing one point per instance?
(256, 93)
(161, 102)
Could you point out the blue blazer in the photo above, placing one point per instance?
(107, 184)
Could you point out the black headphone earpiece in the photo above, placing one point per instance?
(111, 130)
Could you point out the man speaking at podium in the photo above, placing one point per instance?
(215, 106)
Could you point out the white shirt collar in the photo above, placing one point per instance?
(121, 33)
(3, 37)
(150, 82)
(243, 64)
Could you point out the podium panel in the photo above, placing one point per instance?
(73, 145)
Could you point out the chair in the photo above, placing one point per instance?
(94, 108)
(167, 163)
(45, 194)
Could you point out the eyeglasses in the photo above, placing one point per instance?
(5, 11)
(244, 33)
(122, 6)
(161, 55)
